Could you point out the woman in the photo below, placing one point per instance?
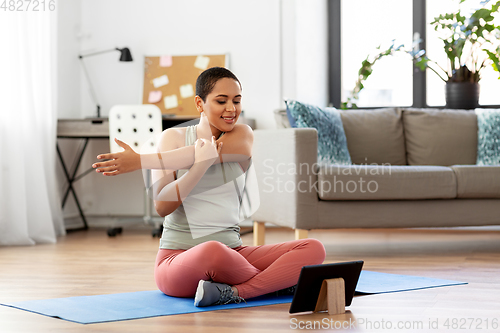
(206, 259)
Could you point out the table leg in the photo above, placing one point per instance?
(70, 180)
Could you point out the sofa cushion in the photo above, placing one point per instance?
(475, 181)
(440, 137)
(375, 136)
(332, 143)
(488, 148)
(382, 182)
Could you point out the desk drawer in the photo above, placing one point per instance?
(89, 127)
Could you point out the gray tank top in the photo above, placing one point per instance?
(211, 211)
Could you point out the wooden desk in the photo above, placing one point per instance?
(86, 129)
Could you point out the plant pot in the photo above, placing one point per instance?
(462, 95)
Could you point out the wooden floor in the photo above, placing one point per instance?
(90, 263)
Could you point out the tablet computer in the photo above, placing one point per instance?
(310, 280)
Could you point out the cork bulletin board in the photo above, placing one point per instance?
(170, 82)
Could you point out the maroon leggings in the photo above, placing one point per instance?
(253, 270)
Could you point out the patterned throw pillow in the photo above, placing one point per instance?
(488, 137)
(332, 142)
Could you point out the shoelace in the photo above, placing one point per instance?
(290, 290)
(285, 292)
(226, 297)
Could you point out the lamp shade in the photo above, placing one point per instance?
(125, 54)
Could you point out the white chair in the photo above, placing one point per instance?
(140, 127)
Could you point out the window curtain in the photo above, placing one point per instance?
(30, 211)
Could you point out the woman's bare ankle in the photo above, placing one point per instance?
(235, 290)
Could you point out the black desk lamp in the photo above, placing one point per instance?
(124, 56)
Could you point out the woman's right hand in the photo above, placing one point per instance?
(206, 152)
(203, 130)
(119, 163)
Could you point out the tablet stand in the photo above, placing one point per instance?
(331, 296)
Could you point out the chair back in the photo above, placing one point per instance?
(139, 126)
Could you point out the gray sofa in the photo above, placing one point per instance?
(411, 168)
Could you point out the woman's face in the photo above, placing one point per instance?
(222, 106)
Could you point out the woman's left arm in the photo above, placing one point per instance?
(237, 145)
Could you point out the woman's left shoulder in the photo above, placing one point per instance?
(237, 142)
(242, 130)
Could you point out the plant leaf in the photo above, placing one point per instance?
(496, 60)
(483, 13)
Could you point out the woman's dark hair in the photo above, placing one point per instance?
(208, 78)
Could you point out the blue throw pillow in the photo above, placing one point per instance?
(332, 142)
(291, 120)
(488, 137)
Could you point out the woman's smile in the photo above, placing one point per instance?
(229, 119)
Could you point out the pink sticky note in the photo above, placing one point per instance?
(154, 96)
(166, 61)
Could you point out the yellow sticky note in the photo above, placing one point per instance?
(186, 90)
(170, 101)
(201, 62)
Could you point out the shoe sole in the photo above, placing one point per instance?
(200, 292)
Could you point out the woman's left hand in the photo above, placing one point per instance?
(119, 163)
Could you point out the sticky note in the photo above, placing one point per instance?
(154, 96)
(160, 81)
(166, 61)
(186, 90)
(170, 101)
(201, 62)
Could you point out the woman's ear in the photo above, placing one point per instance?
(199, 103)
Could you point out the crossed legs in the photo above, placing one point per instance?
(253, 270)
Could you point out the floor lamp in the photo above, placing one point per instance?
(125, 55)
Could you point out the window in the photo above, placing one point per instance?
(358, 27)
(366, 25)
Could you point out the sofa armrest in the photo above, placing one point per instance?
(285, 162)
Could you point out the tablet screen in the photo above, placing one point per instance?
(311, 277)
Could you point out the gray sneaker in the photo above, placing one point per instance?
(212, 293)
(290, 291)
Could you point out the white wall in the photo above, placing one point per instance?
(304, 60)
(288, 50)
(68, 78)
(311, 61)
(277, 49)
(247, 30)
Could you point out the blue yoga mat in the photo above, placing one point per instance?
(144, 304)
(126, 306)
(379, 283)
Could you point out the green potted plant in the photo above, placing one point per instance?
(471, 44)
